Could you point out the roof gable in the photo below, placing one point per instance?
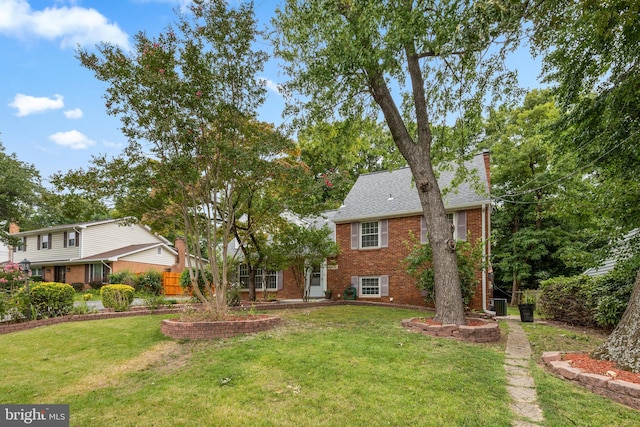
(393, 193)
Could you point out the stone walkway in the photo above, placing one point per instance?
(520, 384)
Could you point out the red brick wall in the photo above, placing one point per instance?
(388, 261)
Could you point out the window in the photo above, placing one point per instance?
(271, 279)
(458, 221)
(44, 242)
(70, 239)
(159, 250)
(22, 247)
(369, 234)
(369, 286)
(95, 272)
(36, 271)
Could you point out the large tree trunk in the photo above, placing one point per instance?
(623, 345)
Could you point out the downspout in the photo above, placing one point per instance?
(485, 256)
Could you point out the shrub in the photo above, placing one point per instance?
(567, 299)
(419, 266)
(611, 292)
(118, 296)
(149, 282)
(185, 280)
(154, 301)
(124, 277)
(77, 286)
(46, 299)
(96, 284)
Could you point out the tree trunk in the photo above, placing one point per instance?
(252, 282)
(623, 345)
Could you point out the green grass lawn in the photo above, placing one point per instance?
(333, 366)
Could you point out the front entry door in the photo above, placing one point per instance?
(60, 274)
(315, 286)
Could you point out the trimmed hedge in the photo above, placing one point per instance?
(568, 299)
(50, 299)
(118, 296)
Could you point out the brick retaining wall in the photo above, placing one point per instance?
(216, 329)
(620, 391)
(489, 332)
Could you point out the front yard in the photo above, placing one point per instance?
(344, 365)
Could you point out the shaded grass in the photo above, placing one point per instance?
(564, 403)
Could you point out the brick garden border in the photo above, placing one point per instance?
(177, 329)
(623, 392)
(489, 332)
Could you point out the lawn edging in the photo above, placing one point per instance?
(489, 331)
(177, 329)
(621, 391)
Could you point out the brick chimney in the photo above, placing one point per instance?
(487, 167)
(13, 228)
(181, 248)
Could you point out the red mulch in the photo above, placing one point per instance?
(601, 367)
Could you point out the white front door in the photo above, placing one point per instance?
(316, 287)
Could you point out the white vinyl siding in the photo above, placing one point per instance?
(150, 256)
(109, 236)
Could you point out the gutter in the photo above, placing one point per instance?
(485, 257)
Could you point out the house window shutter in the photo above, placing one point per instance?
(64, 240)
(50, 241)
(354, 281)
(461, 225)
(280, 280)
(86, 273)
(384, 286)
(423, 230)
(24, 243)
(384, 233)
(39, 241)
(354, 235)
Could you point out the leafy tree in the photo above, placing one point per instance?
(301, 248)
(187, 100)
(20, 188)
(591, 52)
(535, 234)
(442, 61)
(339, 152)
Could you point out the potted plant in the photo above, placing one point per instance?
(527, 306)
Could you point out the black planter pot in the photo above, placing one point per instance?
(526, 312)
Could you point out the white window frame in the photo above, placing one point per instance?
(243, 279)
(72, 239)
(453, 220)
(21, 246)
(362, 235)
(44, 241)
(36, 271)
(362, 286)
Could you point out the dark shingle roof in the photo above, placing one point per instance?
(393, 193)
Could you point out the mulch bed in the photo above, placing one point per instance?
(601, 367)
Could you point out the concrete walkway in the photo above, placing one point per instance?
(520, 383)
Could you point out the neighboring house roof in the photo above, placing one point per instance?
(116, 254)
(620, 253)
(81, 225)
(393, 193)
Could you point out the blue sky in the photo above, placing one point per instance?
(52, 113)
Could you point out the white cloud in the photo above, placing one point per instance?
(27, 104)
(112, 144)
(270, 85)
(76, 113)
(72, 139)
(71, 25)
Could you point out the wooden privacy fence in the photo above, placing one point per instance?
(171, 283)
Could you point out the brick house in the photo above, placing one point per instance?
(90, 251)
(375, 220)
